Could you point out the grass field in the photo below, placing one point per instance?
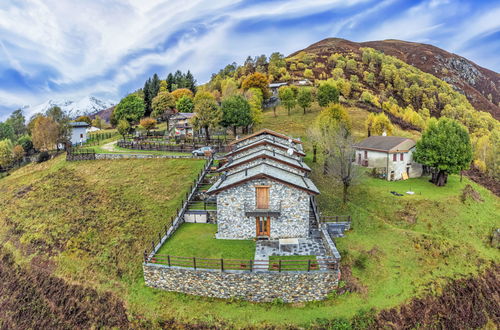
(198, 240)
(90, 220)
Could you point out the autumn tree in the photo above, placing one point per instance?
(180, 92)
(207, 113)
(287, 97)
(148, 123)
(163, 106)
(6, 157)
(257, 80)
(185, 104)
(131, 108)
(98, 122)
(84, 119)
(445, 146)
(45, 133)
(17, 154)
(327, 93)
(235, 113)
(304, 98)
(377, 124)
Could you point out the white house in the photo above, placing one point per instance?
(391, 156)
(78, 132)
(182, 123)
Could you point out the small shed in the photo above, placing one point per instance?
(78, 132)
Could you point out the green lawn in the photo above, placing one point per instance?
(198, 240)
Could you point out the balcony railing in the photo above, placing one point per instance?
(253, 211)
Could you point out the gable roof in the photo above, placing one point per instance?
(386, 143)
(79, 124)
(264, 141)
(265, 153)
(264, 170)
(268, 132)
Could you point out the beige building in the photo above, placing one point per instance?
(391, 156)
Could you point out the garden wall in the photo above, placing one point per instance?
(142, 156)
(254, 286)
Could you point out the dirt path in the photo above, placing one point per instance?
(110, 146)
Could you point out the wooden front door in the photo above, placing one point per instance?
(263, 226)
(262, 197)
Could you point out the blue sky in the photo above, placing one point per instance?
(62, 49)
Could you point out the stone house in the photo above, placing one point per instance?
(391, 156)
(264, 191)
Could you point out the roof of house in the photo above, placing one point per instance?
(278, 84)
(386, 143)
(182, 115)
(264, 170)
(267, 132)
(79, 124)
(265, 153)
(266, 140)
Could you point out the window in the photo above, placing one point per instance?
(394, 157)
(81, 136)
(401, 157)
(366, 154)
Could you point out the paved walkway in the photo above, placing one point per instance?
(306, 247)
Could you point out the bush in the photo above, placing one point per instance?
(42, 157)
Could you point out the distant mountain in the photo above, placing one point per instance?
(481, 86)
(105, 114)
(87, 106)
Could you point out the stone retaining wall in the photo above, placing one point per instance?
(142, 156)
(260, 287)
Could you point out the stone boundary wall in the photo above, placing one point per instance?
(143, 156)
(253, 286)
(328, 242)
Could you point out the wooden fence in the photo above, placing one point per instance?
(74, 154)
(158, 146)
(250, 265)
(334, 218)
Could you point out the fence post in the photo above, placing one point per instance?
(251, 265)
(168, 260)
(145, 256)
(279, 267)
(153, 245)
(221, 264)
(159, 237)
(194, 263)
(309, 265)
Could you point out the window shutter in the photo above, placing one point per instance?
(394, 157)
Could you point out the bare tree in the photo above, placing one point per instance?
(340, 158)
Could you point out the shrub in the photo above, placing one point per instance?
(42, 157)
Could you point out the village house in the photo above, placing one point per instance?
(264, 191)
(390, 156)
(181, 122)
(78, 132)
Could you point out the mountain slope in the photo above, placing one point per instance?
(86, 106)
(470, 79)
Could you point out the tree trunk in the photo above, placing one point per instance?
(288, 111)
(441, 179)
(369, 133)
(274, 110)
(344, 195)
(304, 110)
(207, 134)
(234, 131)
(315, 150)
(325, 166)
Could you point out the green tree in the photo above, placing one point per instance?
(445, 146)
(327, 93)
(207, 112)
(308, 73)
(255, 99)
(287, 97)
(377, 124)
(185, 104)
(235, 113)
(97, 122)
(123, 128)
(163, 106)
(304, 98)
(130, 108)
(6, 131)
(18, 123)
(26, 142)
(6, 156)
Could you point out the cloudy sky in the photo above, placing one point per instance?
(65, 49)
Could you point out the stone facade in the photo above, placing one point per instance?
(293, 204)
(260, 287)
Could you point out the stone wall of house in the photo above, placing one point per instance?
(260, 287)
(233, 224)
(268, 161)
(382, 160)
